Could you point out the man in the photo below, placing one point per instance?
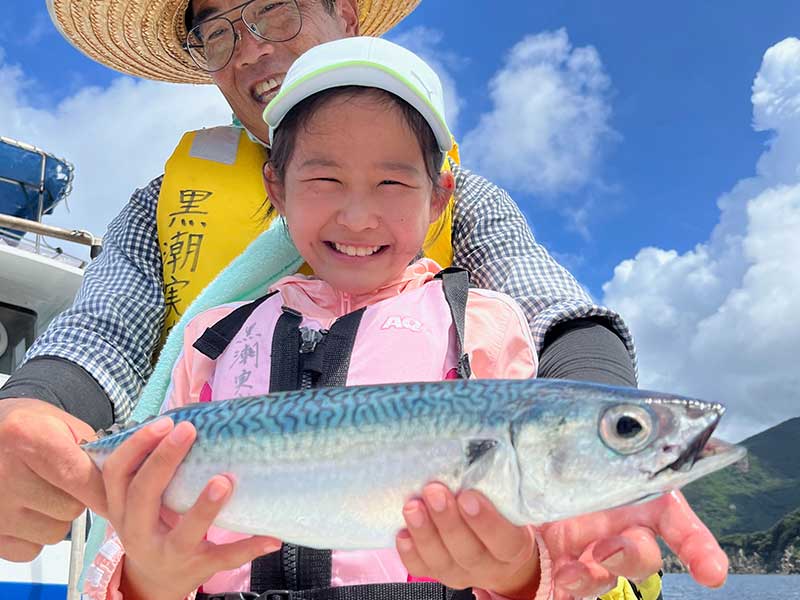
(86, 371)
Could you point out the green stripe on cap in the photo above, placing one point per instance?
(357, 63)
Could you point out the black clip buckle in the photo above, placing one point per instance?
(276, 595)
(229, 596)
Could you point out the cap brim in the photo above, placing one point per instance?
(358, 73)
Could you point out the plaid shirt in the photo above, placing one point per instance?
(113, 328)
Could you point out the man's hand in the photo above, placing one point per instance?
(48, 480)
(590, 551)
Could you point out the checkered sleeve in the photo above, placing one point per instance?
(113, 326)
(491, 239)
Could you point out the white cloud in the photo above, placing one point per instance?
(118, 137)
(427, 43)
(549, 117)
(721, 321)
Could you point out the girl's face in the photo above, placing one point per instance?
(356, 195)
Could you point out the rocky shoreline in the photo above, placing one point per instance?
(752, 563)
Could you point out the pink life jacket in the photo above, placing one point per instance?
(264, 345)
(303, 354)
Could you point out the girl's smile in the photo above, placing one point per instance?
(356, 251)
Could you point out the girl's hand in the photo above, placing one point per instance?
(167, 557)
(464, 542)
(588, 552)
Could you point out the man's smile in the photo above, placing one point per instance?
(266, 89)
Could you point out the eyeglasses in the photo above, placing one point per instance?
(211, 43)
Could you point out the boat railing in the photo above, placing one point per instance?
(18, 226)
(42, 231)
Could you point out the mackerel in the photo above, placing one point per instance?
(332, 467)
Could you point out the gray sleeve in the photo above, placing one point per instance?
(586, 350)
(492, 239)
(63, 384)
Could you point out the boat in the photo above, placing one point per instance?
(38, 280)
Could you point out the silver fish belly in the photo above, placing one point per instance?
(332, 467)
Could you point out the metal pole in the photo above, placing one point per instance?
(69, 235)
(41, 200)
(76, 551)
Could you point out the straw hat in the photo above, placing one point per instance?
(145, 37)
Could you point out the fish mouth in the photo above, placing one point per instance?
(704, 454)
(695, 450)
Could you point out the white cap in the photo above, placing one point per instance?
(368, 62)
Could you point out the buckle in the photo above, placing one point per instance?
(229, 596)
(276, 595)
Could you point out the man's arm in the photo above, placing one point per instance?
(575, 338)
(93, 359)
(86, 368)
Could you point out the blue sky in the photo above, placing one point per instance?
(665, 115)
(680, 84)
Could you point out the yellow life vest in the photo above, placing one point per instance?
(213, 204)
(649, 589)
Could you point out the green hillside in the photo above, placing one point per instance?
(776, 550)
(755, 494)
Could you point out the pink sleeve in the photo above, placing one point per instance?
(104, 574)
(545, 591)
(192, 370)
(498, 338)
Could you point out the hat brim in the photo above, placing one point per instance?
(145, 37)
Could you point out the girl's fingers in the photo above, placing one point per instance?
(505, 541)
(409, 555)
(148, 485)
(224, 557)
(634, 555)
(690, 539)
(459, 540)
(426, 539)
(193, 526)
(120, 466)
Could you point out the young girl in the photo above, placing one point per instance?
(358, 143)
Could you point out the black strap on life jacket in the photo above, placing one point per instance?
(455, 283)
(218, 337)
(303, 358)
(372, 591)
(285, 369)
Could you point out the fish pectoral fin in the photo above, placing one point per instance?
(478, 449)
(116, 428)
(479, 456)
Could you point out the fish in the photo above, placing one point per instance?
(332, 467)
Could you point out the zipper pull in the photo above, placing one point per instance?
(310, 338)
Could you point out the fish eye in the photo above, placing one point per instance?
(626, 428)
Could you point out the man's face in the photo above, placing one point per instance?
(255, 72)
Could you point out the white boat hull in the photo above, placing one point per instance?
(43, 579)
